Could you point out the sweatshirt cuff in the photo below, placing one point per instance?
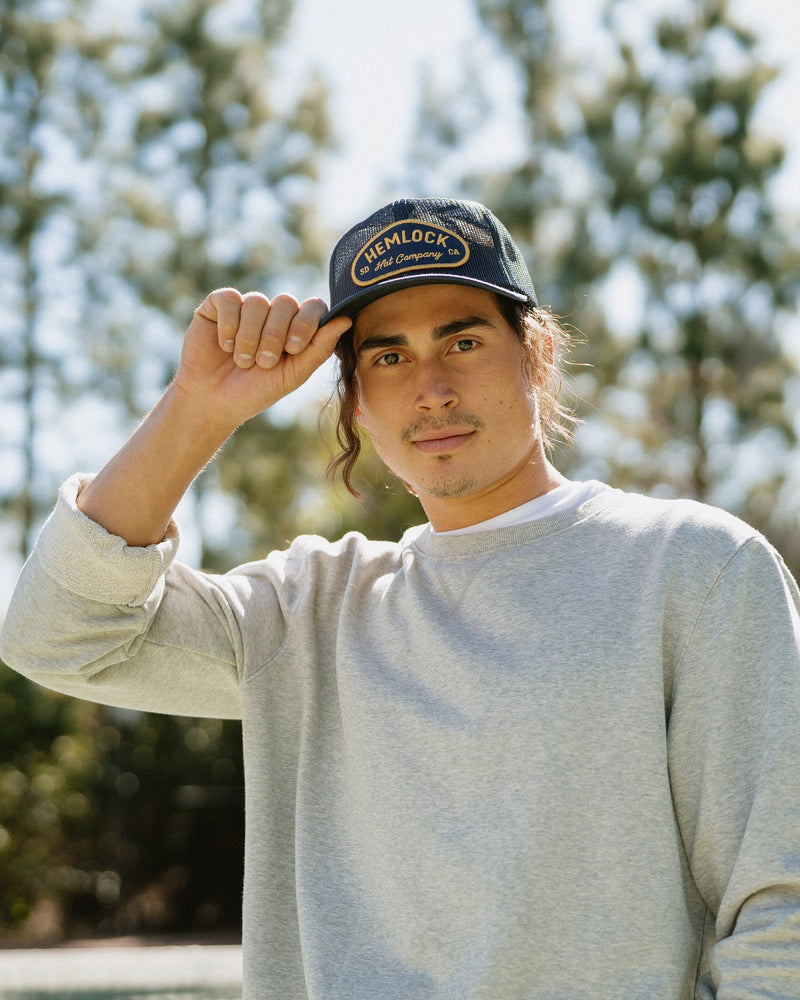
(87, 560)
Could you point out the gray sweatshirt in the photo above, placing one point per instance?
(557, 761)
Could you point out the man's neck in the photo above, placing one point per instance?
(532, 479)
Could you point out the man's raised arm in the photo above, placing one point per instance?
(241, 354)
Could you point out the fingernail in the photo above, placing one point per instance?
(267, 359)
(229, 346)
(293, 344)
(244, 361)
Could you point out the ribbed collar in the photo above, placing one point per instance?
(425, 541)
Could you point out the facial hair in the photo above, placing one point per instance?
(444, 487)
(424, 424)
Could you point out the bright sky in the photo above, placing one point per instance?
(372, 57)
(372, 54)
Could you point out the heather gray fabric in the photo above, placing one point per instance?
(557, 761)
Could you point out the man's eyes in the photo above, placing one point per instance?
(392, 358)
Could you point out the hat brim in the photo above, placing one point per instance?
(354, 303)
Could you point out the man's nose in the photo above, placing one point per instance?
(435, 391)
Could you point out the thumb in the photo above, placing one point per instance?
(321, 346)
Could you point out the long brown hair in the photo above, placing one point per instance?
(547, 342)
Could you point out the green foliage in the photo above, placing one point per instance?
(48, 120)
(216, 179)
(43, 806)
(146, 160)
(687, 222)
(215, 183)
(115, 822)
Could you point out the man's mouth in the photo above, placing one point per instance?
(436, 442)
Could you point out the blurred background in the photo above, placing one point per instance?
(644, 154)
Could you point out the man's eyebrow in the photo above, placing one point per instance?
(382, 341)
(468, 323)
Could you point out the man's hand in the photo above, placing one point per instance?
(242, 353)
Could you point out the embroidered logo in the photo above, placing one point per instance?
(408, 245)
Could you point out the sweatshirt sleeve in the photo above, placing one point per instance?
(128, 626)
(734, 758)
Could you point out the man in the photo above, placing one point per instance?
(543, 748)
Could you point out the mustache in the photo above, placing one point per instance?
(461, 421)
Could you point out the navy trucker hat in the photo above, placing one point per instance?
(421, 241)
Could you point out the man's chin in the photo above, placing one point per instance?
(446, 488)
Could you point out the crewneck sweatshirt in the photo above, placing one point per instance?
(554, 761)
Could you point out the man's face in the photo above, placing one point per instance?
(443, 393)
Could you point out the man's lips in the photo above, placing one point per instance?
(441, 441)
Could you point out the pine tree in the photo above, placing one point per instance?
(688, 229)
(216, 187)
(50, 108)
(643, 203)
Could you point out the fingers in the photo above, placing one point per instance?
(321, 345)
(252, 317)
(278, 334)
(222, 307)
(257, 331)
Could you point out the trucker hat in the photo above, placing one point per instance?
(421, 241)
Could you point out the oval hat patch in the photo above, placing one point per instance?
(408, 245)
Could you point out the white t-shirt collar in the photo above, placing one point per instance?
(558, 501)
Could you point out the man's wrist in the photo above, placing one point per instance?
(190, 414)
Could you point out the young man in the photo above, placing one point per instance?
(543, 747)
